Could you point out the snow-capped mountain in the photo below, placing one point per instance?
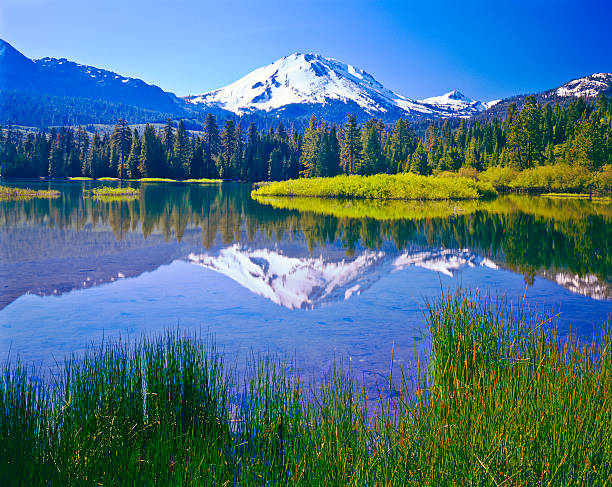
(454, 104)
(53, 91)
(586, 87)
(308, 282)
(301, 84)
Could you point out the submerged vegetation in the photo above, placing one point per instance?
(12, 193)
(381, 186)
(503, 402)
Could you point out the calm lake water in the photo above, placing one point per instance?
(262, 278)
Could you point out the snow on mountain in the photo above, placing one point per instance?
(311, 79)
(296, 283)
(589, 86)
(586, 87)
(588, 285)
(454, 104)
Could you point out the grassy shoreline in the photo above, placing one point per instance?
(503, 402)
(405, 186)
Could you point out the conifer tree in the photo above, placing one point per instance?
(132, 171)
(120, 147)
(181, 153)
(310, 149)
(212, 146)
(228, 143)
(151, 156)
(350, 155)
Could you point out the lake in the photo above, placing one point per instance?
(299, 279)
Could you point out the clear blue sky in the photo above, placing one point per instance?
(486, 49)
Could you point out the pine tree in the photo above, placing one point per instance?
(212, 146)
(56, 160)
(419, 160)
(251, 172)
(372, 153)
(120, 146)
(132, 171)
(151, 156)
(350, 155)
(228, 143)
(197, 159)
(181, 153)
(167, 147)
(310, 150)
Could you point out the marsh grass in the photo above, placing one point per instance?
(203, 181)
(12, 193)
(503, 402)
(405, 186)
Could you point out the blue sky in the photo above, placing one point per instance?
(486, 49)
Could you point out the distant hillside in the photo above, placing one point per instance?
(589, 87)
(60, 92)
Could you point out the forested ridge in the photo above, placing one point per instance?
(578, 137)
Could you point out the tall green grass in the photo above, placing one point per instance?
(405, 186)
(503, 402)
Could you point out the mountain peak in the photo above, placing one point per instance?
(304, 83)
(8, 51)
(457, 95)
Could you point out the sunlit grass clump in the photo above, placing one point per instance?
(12, 193)
(503, 402)
(381, 186)
(109, 192)
(203, 181)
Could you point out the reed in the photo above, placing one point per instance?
(503, 402)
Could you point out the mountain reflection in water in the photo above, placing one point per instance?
(54, 246)
(305, 278)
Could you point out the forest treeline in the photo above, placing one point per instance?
(579, 135)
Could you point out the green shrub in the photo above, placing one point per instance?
(381, 186)
(498, 176)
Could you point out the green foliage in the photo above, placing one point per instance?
(503, 402)
(381, 186)
(108, 191)
(579, 135)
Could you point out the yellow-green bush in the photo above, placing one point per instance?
(381, 186)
